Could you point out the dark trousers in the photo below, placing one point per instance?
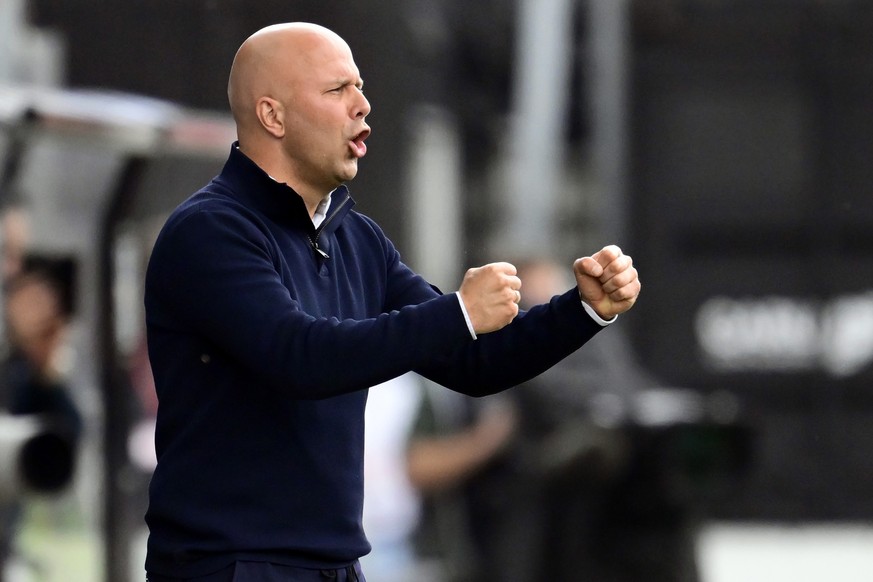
(268, 572)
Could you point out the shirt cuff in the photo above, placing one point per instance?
(599, 320)
(467, 315)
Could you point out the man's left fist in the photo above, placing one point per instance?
(607, 281)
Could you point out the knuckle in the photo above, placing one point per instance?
(625, 292)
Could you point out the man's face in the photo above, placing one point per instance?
(325, 110)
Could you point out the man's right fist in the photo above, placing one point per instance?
(491, 294)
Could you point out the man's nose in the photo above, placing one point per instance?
(362, 106)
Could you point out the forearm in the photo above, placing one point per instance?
(532, 343)
(438, 463)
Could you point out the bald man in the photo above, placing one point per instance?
(272, 306)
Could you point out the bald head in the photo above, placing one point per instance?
(270, 62)
(542, 279)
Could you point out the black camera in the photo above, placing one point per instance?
(37, 455)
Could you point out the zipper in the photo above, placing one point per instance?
(317, 250)
(313, 239)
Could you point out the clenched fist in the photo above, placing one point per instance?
(607, 281)
(491, 295)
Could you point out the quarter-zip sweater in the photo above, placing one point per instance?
(264, 334)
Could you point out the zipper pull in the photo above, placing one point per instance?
(320, 252)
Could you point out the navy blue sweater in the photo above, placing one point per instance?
(264, 334)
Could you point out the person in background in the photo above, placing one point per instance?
(523, 486)
(33, 374)
(391, 503)
(272, 306)
(456, 460)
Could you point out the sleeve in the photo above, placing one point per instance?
(213, 274)
(534, 341)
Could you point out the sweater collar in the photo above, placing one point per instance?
(255, 188)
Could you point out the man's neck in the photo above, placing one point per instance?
(272, 164)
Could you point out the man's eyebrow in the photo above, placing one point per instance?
(345, 81)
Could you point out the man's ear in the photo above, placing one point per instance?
(271, 115)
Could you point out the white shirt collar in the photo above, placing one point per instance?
(321, 211)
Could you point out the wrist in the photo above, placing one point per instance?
(599, 319)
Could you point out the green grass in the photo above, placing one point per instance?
(56, 544)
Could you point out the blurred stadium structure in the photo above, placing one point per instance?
(725, 145)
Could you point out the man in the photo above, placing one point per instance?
(272, 306)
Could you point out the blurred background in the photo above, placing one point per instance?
(727, 145)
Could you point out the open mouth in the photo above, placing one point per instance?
(359, 148)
